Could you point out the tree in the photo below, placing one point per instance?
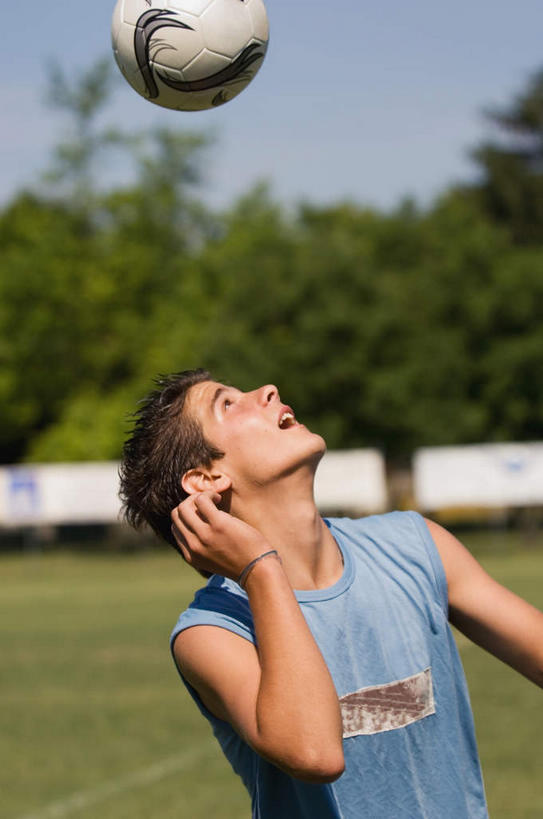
(511, 188)
(380, 329)
(86, 277)
(73, 172)
(394, 330)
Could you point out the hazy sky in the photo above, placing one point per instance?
(355, 100)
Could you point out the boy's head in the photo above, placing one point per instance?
(193, 434)
(166, 442)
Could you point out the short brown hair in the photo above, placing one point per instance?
(165, 442)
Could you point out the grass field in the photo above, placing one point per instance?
(95, 723)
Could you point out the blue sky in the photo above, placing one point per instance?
(369, 102)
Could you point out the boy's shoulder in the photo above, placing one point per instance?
(221, 602)
(385, 525)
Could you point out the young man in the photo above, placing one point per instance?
(319, 651)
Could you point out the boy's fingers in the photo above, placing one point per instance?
(206, 504)
(177, 533)
(177, 522)
(186, 518)
(181, 543)
(193, 521)
(183, 526)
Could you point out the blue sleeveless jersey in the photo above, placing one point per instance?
(409, 739)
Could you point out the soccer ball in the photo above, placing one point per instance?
(189, 54)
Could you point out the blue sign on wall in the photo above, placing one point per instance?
(23, 501)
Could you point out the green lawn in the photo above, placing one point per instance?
(94, 721)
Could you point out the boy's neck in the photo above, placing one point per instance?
(288, 518)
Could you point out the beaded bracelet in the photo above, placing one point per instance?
(250, 566)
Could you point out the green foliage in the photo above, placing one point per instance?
(46, 280)
(394, 329)
(89, 284)
(380, 329)
(511, 190)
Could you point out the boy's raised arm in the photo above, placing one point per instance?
(489, 614)
(279, 696)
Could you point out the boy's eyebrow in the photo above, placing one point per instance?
(216, 396)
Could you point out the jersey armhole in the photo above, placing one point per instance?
(436, 563)
(213, 620)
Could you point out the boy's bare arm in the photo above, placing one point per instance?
(488, 613)
(280, 697)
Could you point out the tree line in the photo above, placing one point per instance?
(415, 326)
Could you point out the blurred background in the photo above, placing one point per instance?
(363, 226)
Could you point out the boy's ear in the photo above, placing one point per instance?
(201, 480)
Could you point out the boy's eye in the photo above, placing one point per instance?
(227, 403)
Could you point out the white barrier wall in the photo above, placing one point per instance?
(56, 494)
(52, 494)
(487, 475)
(353, 481)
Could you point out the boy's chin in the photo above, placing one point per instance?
(319, 444)
(313, 452)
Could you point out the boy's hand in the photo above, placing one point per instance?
(214, 541)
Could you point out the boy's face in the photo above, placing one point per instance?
(260, 436)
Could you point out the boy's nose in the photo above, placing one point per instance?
(267, 394)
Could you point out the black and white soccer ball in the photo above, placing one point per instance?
(189, 54)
